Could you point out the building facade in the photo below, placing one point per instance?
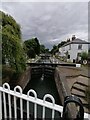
(73, 49)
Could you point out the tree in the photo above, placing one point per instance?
(54, 49)
(37, 48)
(47, 50)
(84, 55)
(42, 49)
(31, 53)
(32, 45)
(12, 50)
(61, 44)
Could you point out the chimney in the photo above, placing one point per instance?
(73, 37)
(68, 40)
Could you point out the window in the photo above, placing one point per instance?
(68, 56)
(80, 47)
(70, 47)
(78, 57)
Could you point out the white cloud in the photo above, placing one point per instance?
(50, 22)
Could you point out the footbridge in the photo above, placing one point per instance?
(53, 64)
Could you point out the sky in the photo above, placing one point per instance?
(50, 22)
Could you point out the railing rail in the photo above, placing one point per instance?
(17, 93)
(9, 98)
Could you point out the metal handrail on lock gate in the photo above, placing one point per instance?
(76, 100)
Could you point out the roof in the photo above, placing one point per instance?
(76, 41)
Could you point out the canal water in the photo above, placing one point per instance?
(43, 84)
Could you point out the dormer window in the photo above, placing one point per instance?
(80, 47)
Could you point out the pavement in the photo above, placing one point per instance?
(77, 80)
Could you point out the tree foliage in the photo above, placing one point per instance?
(61, 44)
(43, 49)
(12, 50)
(32, 47)
(84, 55)
(54, 49)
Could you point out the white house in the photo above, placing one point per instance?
(73, 48)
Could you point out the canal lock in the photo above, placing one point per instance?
(43, 82)
(44, 79)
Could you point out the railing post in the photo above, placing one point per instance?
(21, 101)
(0, 106)
(7, 87)
(35, 105)
(9, 98)
(6, 95)
(53, 103)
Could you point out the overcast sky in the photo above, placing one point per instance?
(50, 22)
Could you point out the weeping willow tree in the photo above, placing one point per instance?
(12, 50)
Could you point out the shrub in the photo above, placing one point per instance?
(84, 55)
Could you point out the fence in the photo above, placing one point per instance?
(9, 98)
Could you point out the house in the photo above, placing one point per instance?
(72, 50)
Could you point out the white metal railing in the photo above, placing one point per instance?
(13, 96)
(28, 98)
